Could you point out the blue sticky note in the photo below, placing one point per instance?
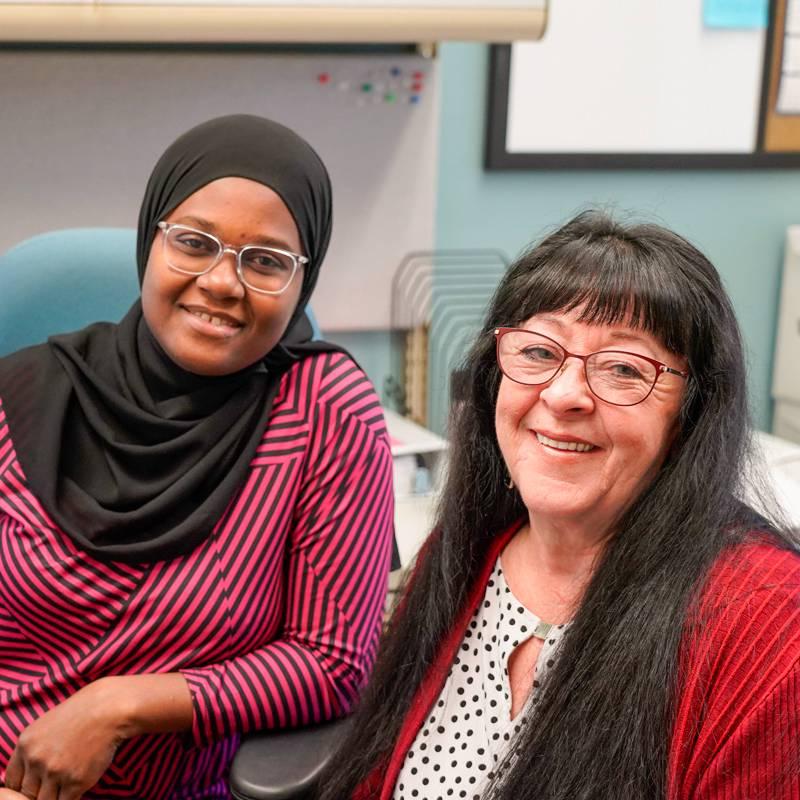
(735, 13)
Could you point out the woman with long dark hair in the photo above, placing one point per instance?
(597, 614)
(195, 503)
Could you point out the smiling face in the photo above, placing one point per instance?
(211, 324)
(617, 449)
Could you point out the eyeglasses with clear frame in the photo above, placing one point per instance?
(266, 270)
(617, 377)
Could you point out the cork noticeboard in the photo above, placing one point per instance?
(781, 125)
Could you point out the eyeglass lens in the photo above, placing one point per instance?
(619, 378)
(262, 267)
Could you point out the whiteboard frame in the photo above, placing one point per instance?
(498, 157)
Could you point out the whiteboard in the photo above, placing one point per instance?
(628, 83)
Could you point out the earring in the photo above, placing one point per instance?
(509, 482)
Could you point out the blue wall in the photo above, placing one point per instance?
(737, 218)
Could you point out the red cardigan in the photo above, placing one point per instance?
(737, 729)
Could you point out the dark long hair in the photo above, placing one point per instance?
(603, 721)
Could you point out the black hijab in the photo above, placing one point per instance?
(133, 457)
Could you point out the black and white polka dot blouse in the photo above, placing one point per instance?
(469, 728)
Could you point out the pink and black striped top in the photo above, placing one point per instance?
(273, 619)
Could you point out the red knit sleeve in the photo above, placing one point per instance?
(760, 760)
(737, 730)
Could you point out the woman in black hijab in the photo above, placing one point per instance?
(195, 504)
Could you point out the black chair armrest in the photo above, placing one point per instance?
(285, 764)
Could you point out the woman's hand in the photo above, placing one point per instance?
(65, 752)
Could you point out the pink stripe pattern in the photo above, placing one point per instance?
(273, 620)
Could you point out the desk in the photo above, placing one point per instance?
(418, 471)
(782, 461)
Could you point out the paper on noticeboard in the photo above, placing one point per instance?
(789, 88)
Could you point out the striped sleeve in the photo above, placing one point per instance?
(338, 563)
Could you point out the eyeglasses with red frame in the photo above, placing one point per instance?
(618, 377)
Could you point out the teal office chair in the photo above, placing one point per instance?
(61, 281)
